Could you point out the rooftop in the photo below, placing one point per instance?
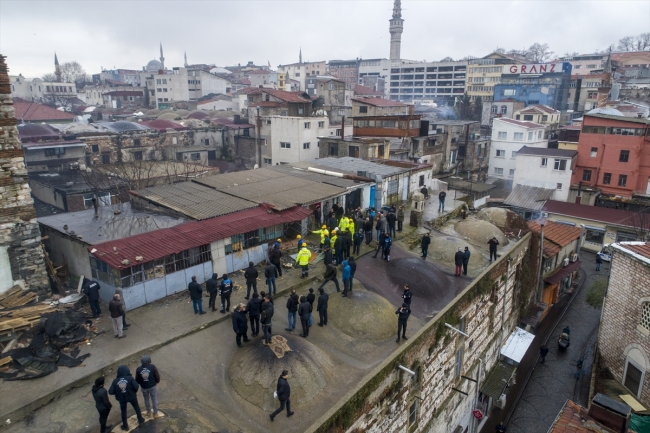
(121, 126)
(194, 200)
(594, 213)
(379, 102)
(32, 112)
(363, 90)
(620, 118)
(113, 222)
(559, 234)
(529, 125)
(528, 197)
(540, 108)
(36, 132)
(124, 93)
(640, 248)
(300, 169)
(53, 144)
(544, 151)
(356, 166)
(163, 125)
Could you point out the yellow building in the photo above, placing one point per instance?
(483, 74)
(282, 80)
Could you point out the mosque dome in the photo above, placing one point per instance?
(154, 65)
(606, 110)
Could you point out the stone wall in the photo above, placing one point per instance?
(19, 232)
(487, 310)
(621, 336)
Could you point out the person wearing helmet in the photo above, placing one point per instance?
(300, 241)
(277, 243)
(303, 260)
(323, 232)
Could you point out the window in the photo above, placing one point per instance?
(353, 151)
(544, 118)
(559, 164)
(504, 109)
(500, 153)
(512, 172)
(268, 121)
(607, 178)
(539, 134)
(633, 377)
(528, 117)
(285, 145)
(495, 109)
(586, 175)
(595, 236)
(413, 413)
(307, 125)
(559, 186)
(452, 156)
(297, 74)
(645, 316)
(55, 151)
(381, 151)
(508, 92)
(137, 156)
(321, 124)
(498, 171)
(502, 135)
(106, 158)
(363, 109)
(393, 186)
(530, 136)
(305, 145)
(513, 154)
(333, 149)
(136, 142)
(459, 363)
(338, 132)
(594, 152)
(622, 179)
(625, 155)
(544, 162)
(300, 111)
(94, 148)
(195, 156)
(245, 132)
(519, 136)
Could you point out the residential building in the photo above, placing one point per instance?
(344, 70)
(331, 95)
(623, 342)
(483, 74)
(278, 103)
(438, 81)
(614, 156)
(185, 84)
(94, 94)
(545, 168)
(505, 108)
(602, 225)
(299, 71)
(362, 107)
(533, 84)
(396, 125)
(583, 95)
(263, 78)
(292, 138)
(44, 92)
(125, 76)
(216, 102)
(376, 86)
(508, 137)
(374, 69)
(585, 64)
(541, 114)
(54, 156)
(124, 98)
(368, 148)
(605, 414)
(568, 137)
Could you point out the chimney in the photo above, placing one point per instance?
(610, 413)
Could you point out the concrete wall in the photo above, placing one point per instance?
(380, 402)
(622, 338)
(529, 171)
(509, 145)
(610, 231)
(292, 130)
(47, 194)
(65, 249)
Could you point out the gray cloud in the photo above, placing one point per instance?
(126, 34)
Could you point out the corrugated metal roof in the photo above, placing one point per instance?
(161, 243)
(356, 165)
(497, 380)
(280, 190)
(194, 200)
(528, 197)
(302, 172)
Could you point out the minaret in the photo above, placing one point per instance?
(300, 56)
(186, 59)
(396, 28)
(162, 59)
(57, 69)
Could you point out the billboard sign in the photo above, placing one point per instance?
(539, 68)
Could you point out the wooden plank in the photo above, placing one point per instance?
(4, 361)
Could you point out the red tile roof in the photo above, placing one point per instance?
(530, 125)
(538, 108)
(247, 90)
(160, 243)
(163, 125)
(32, 112)
(642, 249)
(558, 234)
(594, 213)
(380, 102)
(272, 104)
(574, 419)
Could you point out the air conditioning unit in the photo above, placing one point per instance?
(573, 258)
(565, 262)
(544, 214)
(501, 402)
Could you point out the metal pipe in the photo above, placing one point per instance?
(412, 373)
(457, 330)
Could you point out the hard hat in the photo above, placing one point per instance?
(324, 226)
(279, 240)
(304, 244)
(298, 237)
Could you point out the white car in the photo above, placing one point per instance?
(606, 253)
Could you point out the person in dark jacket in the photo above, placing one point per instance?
(327, 257)
(322, 307)
(125, 388)
(271, 273)
(91, 289)
(283, 392)
(403, 316)
(426, 241)
(251, 279)
(265, 318)
(358, 239)
(239, 324)
(274, 257)
(311, 298)
(500, 428)
(388, 243)
(338, 247)
(493, 243)
(543, 351)
(381, 224)
(458, 261)
(380, 244)
(195, 295)
(148, 377)
(407, 295)
(102, 404)
(441, 200)
(330, 275)
(254, 308)
(391, 219)
(599, 261)
(332, 222)
(400, 218)
(367, 227)
(425, 192)
(120, 292)
(466, 255)
(304, 311)
(292, 308)
(116, 310)
(347, 243)
(211, 286)
(225, 290)
(346, 278)
(353, 268)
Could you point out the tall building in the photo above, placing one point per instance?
(396, 28)
(485, 73)
(441, 82)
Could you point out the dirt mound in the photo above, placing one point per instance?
(503, 218)
(367, 315)
(479, 232)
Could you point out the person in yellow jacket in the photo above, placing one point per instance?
(333, 239)
(323, 232)
(345, 222)
(351, 225)
(303, 260)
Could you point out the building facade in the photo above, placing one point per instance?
(533, 84)
(483, 74)
(508, 137)
(441, 82)
(545, 168)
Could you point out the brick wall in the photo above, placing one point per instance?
(628, 285)
(381, 401)
(19, 231)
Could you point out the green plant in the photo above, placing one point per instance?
(596, 293)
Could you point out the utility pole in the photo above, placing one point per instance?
(257, 138)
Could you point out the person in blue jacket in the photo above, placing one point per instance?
(347, 277)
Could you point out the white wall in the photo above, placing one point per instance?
(509, 145)
(217, 105)
(529, 171)
(284, 129)
(6, 279)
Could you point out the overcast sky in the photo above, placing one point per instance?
(126, 34)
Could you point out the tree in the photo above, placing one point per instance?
(500, 50)
(73, 72)
(573, 54)
(538, 53)
(626, 43)
(463, 107)
(596, 293)
(447, 59)
(50, 77)
(642, 42)
(477, 109)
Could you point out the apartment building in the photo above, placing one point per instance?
(439, 81)
(508, 137)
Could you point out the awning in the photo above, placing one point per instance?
(517, 344)
(497, 380)
(562, 272)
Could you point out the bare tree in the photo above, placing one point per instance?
(50, 77)
(500, 50)
(640, 220)
(573, 54)
(447, 59)
(538, 53)
(73, 72)
(642, 42)
(626, 43)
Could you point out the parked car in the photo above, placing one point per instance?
(606, 253)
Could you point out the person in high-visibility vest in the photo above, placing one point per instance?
(323, 232)
(303, 260)
(344, 223)
(333, 238)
